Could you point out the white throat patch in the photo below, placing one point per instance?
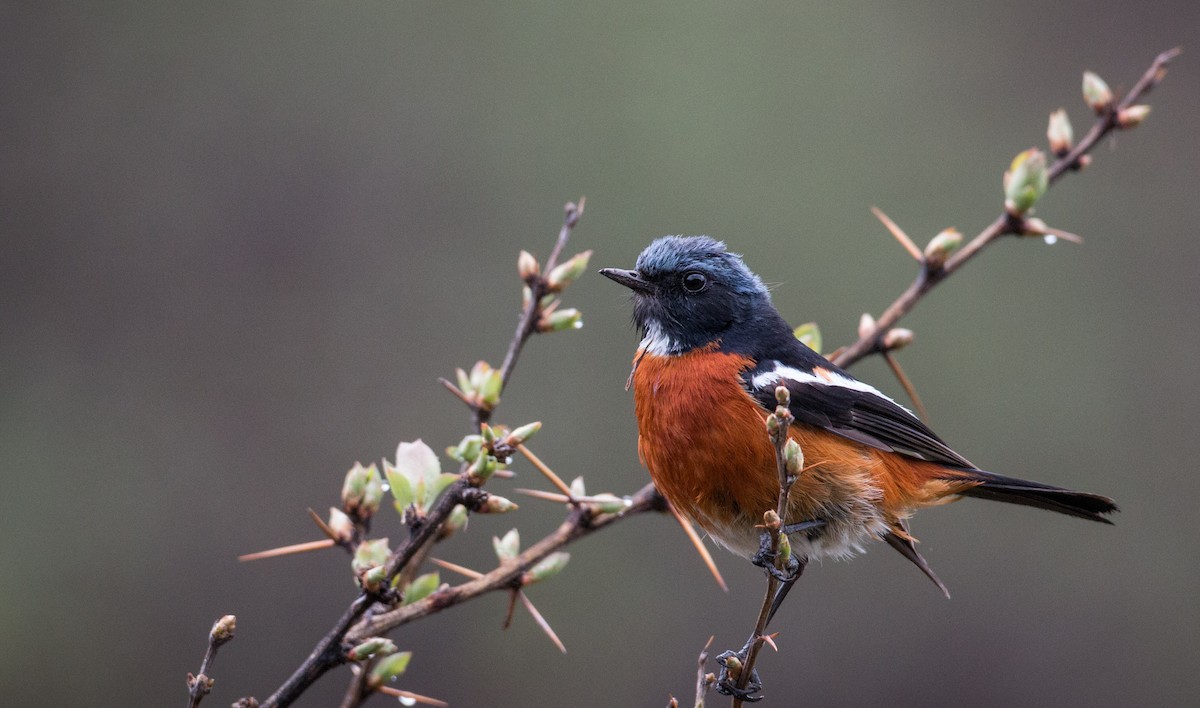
(657, 342)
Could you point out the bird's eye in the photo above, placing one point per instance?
(694, 282)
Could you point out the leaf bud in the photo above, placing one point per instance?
(381, 646)
(523, 433)
(222, 630)
(354, 488)
(1025, 182)
(527, 266)
(566, 273)
(1133, 116)
(341, 525)
(495, 504)
(1096, 93)
(941, 246)
(389, 668)
(794, 458)
(548, 567)
(508, 547)
(782, 396)
(1059, 133)
(866, 325)
(897, 338)
(610, 503)
(560, 320)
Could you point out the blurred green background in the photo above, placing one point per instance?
(241, 241)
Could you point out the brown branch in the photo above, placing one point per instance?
(1003, 225)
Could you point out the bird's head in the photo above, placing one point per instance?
(689, 291)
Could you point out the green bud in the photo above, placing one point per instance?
(565, 274)
(420, 588)
(771, 519)
(941, 246)
(496, 504)
(561, 320)
(375, 646)
(610, 503)
(785, 548)
(389, 668)
(548, 567)
(523, 433)
(527, 266)
(772, 424)
(1059, 133)
(1133, 116)
(782, 396)
(489, 392)
(373, 579)
(223, 629)
(456, 521)
(372, 493)
(1025, 182)
(468, 449)
(793, 457)
(1096, 93)
(508, 547)
(488, 433)
(354, 487)
(401, 488)
(482, 469)
(809, 335)
(370, 554)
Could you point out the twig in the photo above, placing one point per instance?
(1003, 225)
(698, 544)
(200, 684)
(527, 324)
(778, 425)
(704, 680)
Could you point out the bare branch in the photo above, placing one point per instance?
(200, 684)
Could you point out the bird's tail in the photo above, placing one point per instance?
(987, 485)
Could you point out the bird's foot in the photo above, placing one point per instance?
(765, 557)
(728, 679)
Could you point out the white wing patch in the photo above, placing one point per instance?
(829, 378)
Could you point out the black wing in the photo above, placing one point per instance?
(844, 406)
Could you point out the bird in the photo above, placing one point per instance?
(714, 349)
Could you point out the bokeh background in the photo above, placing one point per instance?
(241, 241)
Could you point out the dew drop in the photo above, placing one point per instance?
(1050, 239)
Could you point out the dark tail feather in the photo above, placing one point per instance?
(1042, 496)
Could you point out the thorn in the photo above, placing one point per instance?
(907, 384)
(460, 569)
(512, 605)
(457, 393)
(899, 234)
(769, 640)
(290, 550)
(548, 496)
(397, 693)
(549, 473)
(541, 621)
(699, 545)
(325, 529)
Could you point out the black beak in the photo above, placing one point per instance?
(629, 278)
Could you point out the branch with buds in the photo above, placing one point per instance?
(1025, 183)
(199, 685)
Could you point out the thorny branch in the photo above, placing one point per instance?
(371, 614)
(200, 684)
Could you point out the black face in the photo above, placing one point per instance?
(689, 291)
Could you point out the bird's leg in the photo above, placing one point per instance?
(765, 557)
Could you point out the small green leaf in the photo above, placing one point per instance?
(390, 667)
(549, 567)
(380, 646)
(421, 587)
(401, 489)
(508, 547)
